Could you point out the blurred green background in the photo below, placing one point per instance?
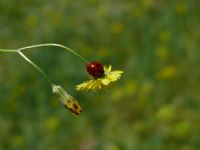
(156, 104)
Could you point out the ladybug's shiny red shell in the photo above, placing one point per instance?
(95, 69)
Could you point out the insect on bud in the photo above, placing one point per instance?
(69, 102)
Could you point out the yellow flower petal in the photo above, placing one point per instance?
(115, 75)
(109, 68)
(105, 81)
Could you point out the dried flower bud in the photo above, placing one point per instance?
(69, 102)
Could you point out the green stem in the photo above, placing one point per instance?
(35, 66)
(55, 45)
(40, 45)
(8, 50)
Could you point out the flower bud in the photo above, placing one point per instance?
(69, 102)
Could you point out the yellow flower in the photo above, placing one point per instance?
(102, 82)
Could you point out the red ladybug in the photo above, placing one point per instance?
(95, 69)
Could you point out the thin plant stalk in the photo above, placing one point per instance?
(8, 50)
(19, 51)
(35, 66)
(55, 45)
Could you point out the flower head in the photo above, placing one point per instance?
(101, 81)
(69, 102)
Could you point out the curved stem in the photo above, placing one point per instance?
(40, 45)
(35, 66)
(56, 45)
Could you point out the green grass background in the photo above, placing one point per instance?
(155, 105)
